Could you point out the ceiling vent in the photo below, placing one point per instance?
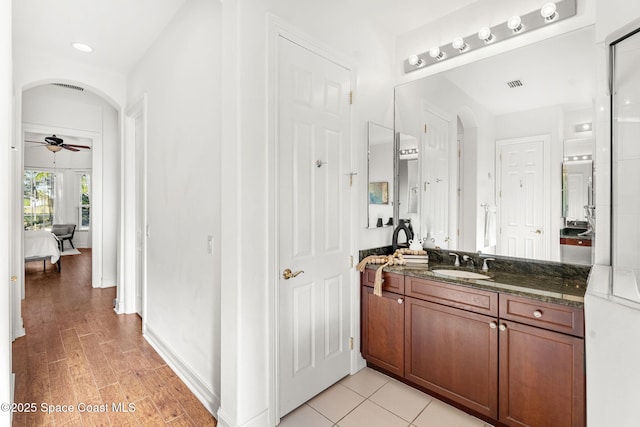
(514, 84)
(68, 86)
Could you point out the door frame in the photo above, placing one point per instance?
(546, 198)
(96, 197)
(126, 297)
(279, 28)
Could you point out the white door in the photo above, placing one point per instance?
(436, 179)
(140, 210)
(314, 223)
(521, 197)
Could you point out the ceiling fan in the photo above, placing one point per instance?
(55, 144)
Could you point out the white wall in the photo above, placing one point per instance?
(6, 97)
(65, 111)
(181, 76)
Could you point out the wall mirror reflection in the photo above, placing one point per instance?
(380, 194)
(578, 207)
(490, 137)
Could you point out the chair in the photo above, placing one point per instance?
(64, 232)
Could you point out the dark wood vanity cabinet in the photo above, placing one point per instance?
(542, 370)
(454, 353)
(382, 326)
(512, 359)
(542, 382)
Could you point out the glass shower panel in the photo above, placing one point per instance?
(626, 165)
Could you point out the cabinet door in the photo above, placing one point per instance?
(454, 353)
(383, 330)
(542, 381)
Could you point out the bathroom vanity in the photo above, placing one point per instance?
(508, 348)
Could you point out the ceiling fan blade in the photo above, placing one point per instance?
(66, 147)
(77, 146)
(36, 142)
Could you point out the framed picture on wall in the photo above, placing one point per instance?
(379, 193)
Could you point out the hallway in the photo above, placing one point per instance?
(81, 360)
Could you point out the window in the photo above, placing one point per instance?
(38, 199)
(84, 211)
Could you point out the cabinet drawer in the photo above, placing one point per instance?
(476, 300)
(391, 282)
(555, 317)
(575, 242)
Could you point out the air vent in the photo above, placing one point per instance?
(69, 86)
(514, 83)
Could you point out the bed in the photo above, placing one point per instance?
(40, 245)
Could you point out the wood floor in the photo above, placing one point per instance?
(78, 354)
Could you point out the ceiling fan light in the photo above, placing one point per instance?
(54, 148)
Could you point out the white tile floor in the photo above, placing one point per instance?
(371, 399)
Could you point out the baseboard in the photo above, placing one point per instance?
(208, 397)
(261, 420)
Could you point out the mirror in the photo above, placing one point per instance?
(380, 176)
(489, 137)
(577, 181)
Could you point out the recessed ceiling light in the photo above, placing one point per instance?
(82, 47)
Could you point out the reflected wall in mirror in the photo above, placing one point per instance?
(380, 176)
(490, 138)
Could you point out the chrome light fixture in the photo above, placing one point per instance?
(437, 54)
(549, 13)
(486, 35)
(515, 24)
(460, 44)
(416, 61)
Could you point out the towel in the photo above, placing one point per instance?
(490, 225)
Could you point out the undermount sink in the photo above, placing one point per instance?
(460, 274)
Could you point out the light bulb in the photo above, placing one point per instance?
(485, 35)
(416, 61)
(515, 24)
(459, 44)
(548, 12)
(435, 52)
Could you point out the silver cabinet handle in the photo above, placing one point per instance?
(502, 327)
(493, 325)
(537, 314)
(400, 300)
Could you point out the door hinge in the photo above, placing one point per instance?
(425, 128)
(350, 97)
(351, 343)
(351, 261)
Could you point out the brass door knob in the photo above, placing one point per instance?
(288, 274)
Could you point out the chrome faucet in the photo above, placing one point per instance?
(485, 267)
(457, 262)
(468, 260)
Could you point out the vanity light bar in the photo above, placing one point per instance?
(513, 27)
